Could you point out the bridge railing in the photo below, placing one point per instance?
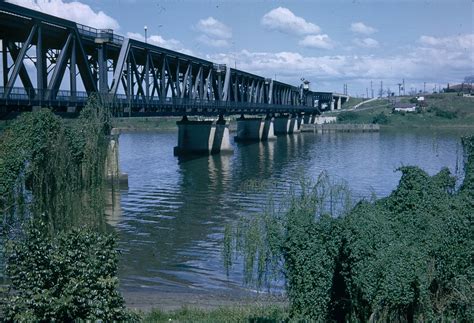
(34, 97)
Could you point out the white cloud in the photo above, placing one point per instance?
(366, 42)
(158, 40)
(214, 28)
(460, 41)
(283, 20)
(75, 11)
(361, 28)
(317, 41)
(213, 42)
(214, 33)
(418, 64)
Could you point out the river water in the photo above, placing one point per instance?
(170, 220)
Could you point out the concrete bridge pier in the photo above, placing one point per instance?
(282, 124)
(255, 129)
(268, 129)
(112, 168)
(295, 122)
(339, 103)
(249, 129)
(307, 119)
(202, 137)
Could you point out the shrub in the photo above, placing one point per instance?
(72, 276)
(347, 116)
(380, 118)
(403, 258)
(446, 114)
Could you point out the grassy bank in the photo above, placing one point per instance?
(445, 110)
(225, 314)
(146, 123)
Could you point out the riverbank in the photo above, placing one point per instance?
(446, 110)
(168, 301)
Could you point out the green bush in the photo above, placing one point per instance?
(69, 277)
(406, 257)
(347, 116)
(446, 114)
(380, 118)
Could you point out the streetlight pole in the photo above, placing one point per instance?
(146, 28)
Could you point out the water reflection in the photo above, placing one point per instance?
(170, 221)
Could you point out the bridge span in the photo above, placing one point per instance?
(51, 62)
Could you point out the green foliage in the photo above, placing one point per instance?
(52, 173)
(405, 257)
(48, 170)
(380, 118)
(442, 113)
(347, 116)
(69, 277)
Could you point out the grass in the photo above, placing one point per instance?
(352, 102)
(145, 123)
(268, 313)
(447, 110)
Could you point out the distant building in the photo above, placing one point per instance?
(404, 107)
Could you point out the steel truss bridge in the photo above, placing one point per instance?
(53, 62)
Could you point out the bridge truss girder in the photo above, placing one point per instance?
(49, 55)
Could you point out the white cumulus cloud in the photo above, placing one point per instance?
(465, 41)
(361, 28)
(214, 33)
(284, 20)
(214, 28)
(75, 11)
(366, 42)
(158, 40)
(417, 65)
(317, 41)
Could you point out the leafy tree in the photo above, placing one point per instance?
(72, 276)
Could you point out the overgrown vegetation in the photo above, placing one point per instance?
(51, 171)
(405, 257)
(69, 277)
(51, 181)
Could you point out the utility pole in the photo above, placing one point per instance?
(399, 87)
(403, 87)
(424, 87)
(367, 92)
(371, 90)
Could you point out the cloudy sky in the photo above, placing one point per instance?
(329, 42)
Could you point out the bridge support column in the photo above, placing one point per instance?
(307, 119)
(202, 137)
(255, 129)
(268, 129)
(339, 103)
(112, 168)
(249, 129)
(332, 104)
(282, 125)
(294, 125)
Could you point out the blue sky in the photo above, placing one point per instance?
(327, 42)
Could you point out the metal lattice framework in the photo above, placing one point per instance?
(71, 61)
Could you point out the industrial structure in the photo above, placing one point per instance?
(52, 62)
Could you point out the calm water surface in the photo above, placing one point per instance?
(170, 221)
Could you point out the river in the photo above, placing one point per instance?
(170, 220)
